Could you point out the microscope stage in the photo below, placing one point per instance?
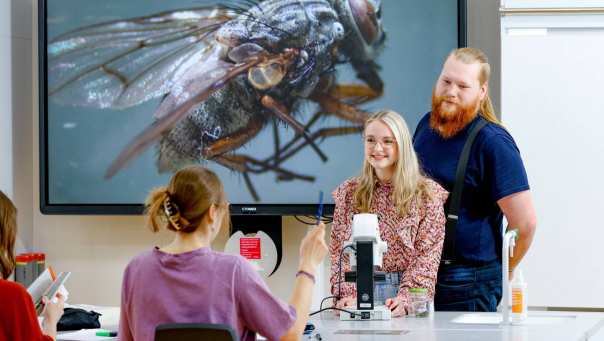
(378, 313)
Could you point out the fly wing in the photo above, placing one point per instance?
(124, 63)
(195, 81)
(187, 93)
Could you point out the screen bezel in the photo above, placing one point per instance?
(136, 209)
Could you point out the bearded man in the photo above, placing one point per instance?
(495, 184)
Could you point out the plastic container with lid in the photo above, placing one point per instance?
(519, 297)
(24, 269)
(419, 302)
(40, 263)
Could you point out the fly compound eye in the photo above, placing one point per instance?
(366, 19)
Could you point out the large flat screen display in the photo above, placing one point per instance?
(269, 94)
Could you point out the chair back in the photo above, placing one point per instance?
(195, 332)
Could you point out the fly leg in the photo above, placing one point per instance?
(277, 157)
(368, 72)
(291, 148)
(277, 144)
(336, 106)
(354, 93)
(333, 103)
(233, 140)
(283, 113)
(245, 164)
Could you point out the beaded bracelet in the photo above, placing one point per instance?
(307, 274)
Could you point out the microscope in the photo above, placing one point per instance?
(368, 249)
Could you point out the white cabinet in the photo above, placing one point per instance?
(552, 95)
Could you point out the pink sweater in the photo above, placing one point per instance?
(200, 286)
(415, 241)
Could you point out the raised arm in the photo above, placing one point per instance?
(312, 252)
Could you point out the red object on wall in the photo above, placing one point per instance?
(250, 248)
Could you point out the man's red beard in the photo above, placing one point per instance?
(449, 122)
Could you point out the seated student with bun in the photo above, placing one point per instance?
(187, 282)
(18, 320)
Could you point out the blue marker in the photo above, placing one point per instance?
(320, 210)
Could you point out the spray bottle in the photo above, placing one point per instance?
(519, 297)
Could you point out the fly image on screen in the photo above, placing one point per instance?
(270, 94)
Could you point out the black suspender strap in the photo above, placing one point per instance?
(455, 200)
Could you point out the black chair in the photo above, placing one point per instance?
(194, 332)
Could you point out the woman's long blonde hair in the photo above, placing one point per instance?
(408, 182)
(182, 204)
(8, 234)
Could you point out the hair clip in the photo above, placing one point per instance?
(172, 213)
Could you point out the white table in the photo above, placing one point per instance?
(541, 325)
(109, 320)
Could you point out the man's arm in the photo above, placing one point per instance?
(520, 213)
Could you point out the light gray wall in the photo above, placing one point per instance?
(484, 33)
(97, 248)
(16, 112)
(6, 136)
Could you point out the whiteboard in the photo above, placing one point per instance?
(552, 101)
(551, 3)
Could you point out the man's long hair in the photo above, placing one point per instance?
(470, 55)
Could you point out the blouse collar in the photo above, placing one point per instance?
(383, 185)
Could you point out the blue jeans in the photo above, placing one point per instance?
(461, 287)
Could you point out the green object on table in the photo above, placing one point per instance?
(106, 333)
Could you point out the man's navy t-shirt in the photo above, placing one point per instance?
(495, 170)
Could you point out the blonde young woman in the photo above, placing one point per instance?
(410, 214)
(18, 320)
(187, 282)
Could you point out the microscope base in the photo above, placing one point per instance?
(378, 313)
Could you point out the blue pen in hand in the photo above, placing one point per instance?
(320, 209)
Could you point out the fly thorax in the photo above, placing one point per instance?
(274, 24)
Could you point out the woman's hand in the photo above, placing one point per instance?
(52, 313)
(396, 306)
(346, 302)
(313, 249)
(53, 310)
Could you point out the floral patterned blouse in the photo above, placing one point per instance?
(415, 241)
